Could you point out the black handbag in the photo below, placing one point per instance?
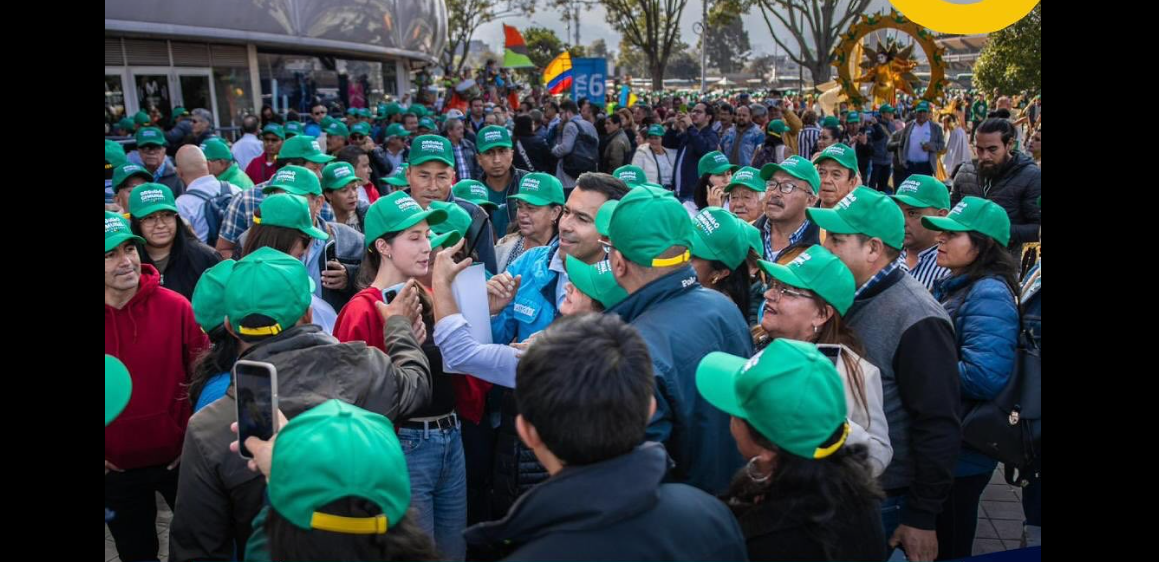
(1009, 428)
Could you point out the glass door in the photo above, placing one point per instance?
(115, 108)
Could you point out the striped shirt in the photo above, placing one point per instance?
(770, 254)
(927, 271)
(240, 214)
(807, 140)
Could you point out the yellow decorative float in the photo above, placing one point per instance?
(888, 67)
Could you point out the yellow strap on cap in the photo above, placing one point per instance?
(349, 525)
(263, 331)
(821, 453)
(672, 261)
(257, 219)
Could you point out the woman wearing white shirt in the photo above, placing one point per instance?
(657, 162)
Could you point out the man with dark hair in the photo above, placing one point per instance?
(550, 122)
(249, 146)
(477, 118)
(495, 163)
(725, 114)
(314, 125)
(692, 136)
(584, 391)
(1003, 175)
(578, 148)
(466, 166)
(619, 148)
(739, 142)
(650, 240)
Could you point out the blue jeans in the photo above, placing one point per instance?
(438, 483)
(891, 520)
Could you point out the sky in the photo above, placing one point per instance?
(593, 25)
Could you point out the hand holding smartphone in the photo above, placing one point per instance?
(256, 391)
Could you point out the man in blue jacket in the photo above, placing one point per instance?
(681, 321)
(692, 136)
(585, 393)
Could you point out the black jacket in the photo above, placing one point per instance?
(188, 259)
(218, 494)
(617, 509)
(774, 530)
(541, 159)
(1016, 188)
(516, 468)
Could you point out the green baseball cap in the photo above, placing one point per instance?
(448, 233)
(475, 192)
(796, 166)
(216, 149)
(361, 129)
(296, 180)
(853, 117)
(364, 112)
(817, 270)
(142, 118)
(289, 211)
(327, 121)
(427, 148)
(604, 216)
(923, 106)
(748, 177)
(714, 162)
(117, 231)
(209, 296)
(646, 223)
(753, 234)
(123, 172)
(118, 388)
(777, 127)
(151, 136)
(596, 281)
(830, 121)
(337, 129)
(923, 191)
(114, 154)
(126, 124)
(840, 153)
(427, 123)
(492, 136)
(656, 131)
(396, 130)
(269, 283)
(631, 175)
(294, 127)
(417, 110)
(397, 212)
(719, 237)
(540, 189)
(864, 211)
(352, 111)
(974, 214)
(790, 392)
(179, 112)
(337, 175)
(393, 109)
(887, 109)
(149, 198)
(276, 130)
(304, 146)
(333, 451)
(397, 178)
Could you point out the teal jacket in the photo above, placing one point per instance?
(534, 306)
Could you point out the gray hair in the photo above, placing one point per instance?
(204, 115)
(758, 110)
(536, 115)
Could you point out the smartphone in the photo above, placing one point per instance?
(331, 251)
(389, 293)
(255, 386)
(833, 352)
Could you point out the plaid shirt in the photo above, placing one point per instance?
(240, 214)
(771, 255)
(877, 278)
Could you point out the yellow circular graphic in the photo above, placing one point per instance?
(983, 16)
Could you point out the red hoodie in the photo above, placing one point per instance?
(156, 337)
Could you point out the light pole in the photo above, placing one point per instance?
(701, 28)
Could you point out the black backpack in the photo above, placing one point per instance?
(214, 210)
(583, 155)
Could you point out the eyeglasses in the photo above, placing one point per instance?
(783, 186)
(323, 112)
(776, 290)
(357, 138)
(155, 217)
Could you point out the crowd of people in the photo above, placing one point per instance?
(722, 327)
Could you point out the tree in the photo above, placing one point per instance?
(631, 61)
(728, 44)
(542, 45)
(1011, 61)
(599, 49)
(683, 64)
(652, 26)
(465, 16)
(814, 25)
(762, 66)
(577, 51)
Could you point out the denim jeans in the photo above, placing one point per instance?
(438, 482)
(891, 520)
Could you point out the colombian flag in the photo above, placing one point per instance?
(516, 55)
(557, 76)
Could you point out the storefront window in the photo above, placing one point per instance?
(234, 99)
(114, 102)
(292, 82)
